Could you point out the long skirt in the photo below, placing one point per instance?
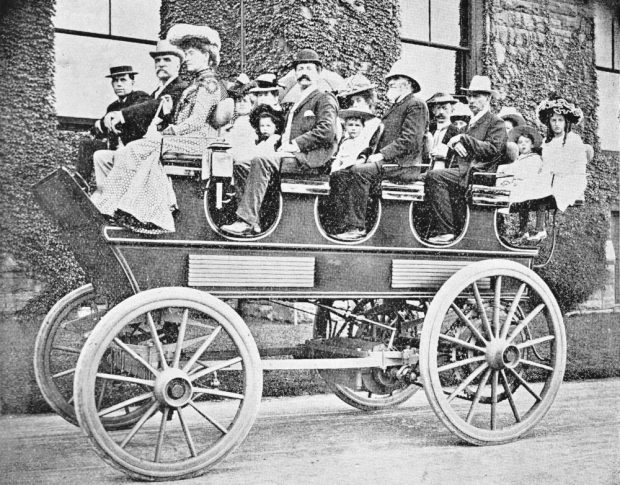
(137, 183)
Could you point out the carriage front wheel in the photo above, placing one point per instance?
(493, 351)
(191, 363)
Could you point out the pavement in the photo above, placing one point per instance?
(321, 440)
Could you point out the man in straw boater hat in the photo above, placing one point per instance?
(122, 80)
(266, 90)
(400, 145)
(138, 117)
(478, 149)
(442, 106)
(308, 142)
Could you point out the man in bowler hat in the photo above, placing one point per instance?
(122, 80)
(308, 142)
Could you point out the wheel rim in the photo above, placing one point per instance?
(191, 362)
(379, 389)
(515, 361)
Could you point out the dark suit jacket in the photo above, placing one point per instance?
(313, 128)
(126, 136)
(403, 136)
(139, 116)
(485, 142)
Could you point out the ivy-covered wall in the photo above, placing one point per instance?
(349, 36)
(29, 145)
(536, 47)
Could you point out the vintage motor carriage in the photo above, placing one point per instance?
(165, 378)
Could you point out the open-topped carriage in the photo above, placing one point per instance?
(469, 321)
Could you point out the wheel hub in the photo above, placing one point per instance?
(501, 355)
(173, 388)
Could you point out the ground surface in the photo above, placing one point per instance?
(320, 440)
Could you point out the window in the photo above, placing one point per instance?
(434, 35)
(91, 37)
(607, 54)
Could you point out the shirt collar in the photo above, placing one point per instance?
(476, 117)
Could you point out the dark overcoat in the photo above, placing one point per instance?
(126, 135)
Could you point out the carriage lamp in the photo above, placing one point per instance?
(218, 165)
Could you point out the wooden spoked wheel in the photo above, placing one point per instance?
(492, 382)
(57, 348)
(191, 361)
(379, 389)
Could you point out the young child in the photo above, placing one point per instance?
(530, 182)
(269, 125)
(352, 144)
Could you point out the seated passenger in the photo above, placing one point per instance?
(441, 127)
(137, 188)
(239, 131)
(268, 123)
(352, 143)
(122, 80)
(512, 119)
(266, 90)
(530, 184)
(308, 142)
(461, 115)
(478, 149)
(359, 93)
(400, 144)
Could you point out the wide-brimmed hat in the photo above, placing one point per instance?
(120, 70)
(517, 131)
(180, 32)
(509, 113)
(358, 83)
(441, 98)
(265, 83)
(263, 110)
(239, 87)
(480, 84)
(355, 113)
(305, 56)
(164, 47)
(461, 112)
(402, 69)
(559, 106)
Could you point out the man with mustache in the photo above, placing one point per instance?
(133, 121)
(441, 128)
(308, 142)
(478, 149)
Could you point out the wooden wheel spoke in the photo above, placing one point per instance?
(476, 400)
(186, 432)
(145, 417)
(481, 311)
(467, 322)
(135, 380)
(467, 381)
(461, 363)
(127, 402)
(536, 364)
(508, 392)
(160, 434)
(525, 322)
(217, 392)
(135, 355)
(461, 343)
(494, 384)
(156, 340)
(496, 306)
(177, 351)
(531, 343)
(511, 312)
(525, 384)
(104, 386)
(213, 421)
(201, 349)
(63, 348)
(64, 373)
(213, 368)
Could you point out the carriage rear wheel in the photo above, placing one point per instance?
(191, 361)
(497, 383)
(379, 389)
(57, 348)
